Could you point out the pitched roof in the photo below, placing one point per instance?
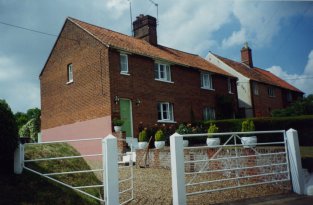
(258, 74)
(141, 47)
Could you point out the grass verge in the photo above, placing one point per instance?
(29, 188)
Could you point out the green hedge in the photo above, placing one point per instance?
(303, 124)
(8, 137)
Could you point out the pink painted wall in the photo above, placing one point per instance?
(95, 128)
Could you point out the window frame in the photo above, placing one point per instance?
(125, 56)
(209, 80)
(70, 73)
(255, 88)
(165, 72)
(229, 86)
(271, 91)
(169, 112)
(209, 113)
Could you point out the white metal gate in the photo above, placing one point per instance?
(115, 177)
(232, 165)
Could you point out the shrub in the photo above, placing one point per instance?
(247, 126)
(30, 129)
(143, 136)
(8, 135)
(212, 129)
(159, 136)
(117, 122)
(303, 124)
(184, 129)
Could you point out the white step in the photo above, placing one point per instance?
(128, 156)
(133, 141)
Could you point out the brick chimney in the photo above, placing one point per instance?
(145, 27)
(246, 55)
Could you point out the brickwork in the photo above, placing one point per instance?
(264, 104)
(184, 93)
(161, 158)
(88, 96)
(97, 80)
(121, 141)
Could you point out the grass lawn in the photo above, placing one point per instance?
(306, 152)
(29, 188)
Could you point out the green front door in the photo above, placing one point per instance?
(126, 115)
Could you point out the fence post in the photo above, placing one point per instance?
(295, 161)
(110, 170)
(178, 169)
(19, 159)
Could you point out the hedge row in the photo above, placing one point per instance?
(303, 124)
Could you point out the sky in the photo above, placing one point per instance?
(278, 32)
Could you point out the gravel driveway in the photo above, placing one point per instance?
(153, 186)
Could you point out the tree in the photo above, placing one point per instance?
(300, 107)
(28, 123)
(8, 135)
(33, 113)
(21, 119)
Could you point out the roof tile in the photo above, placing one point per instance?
(258, 74)
(141, 47)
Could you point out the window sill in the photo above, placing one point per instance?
(230, 93)
(165, 81)
(166, 121)
(204, 88)
(125, 73)
(69, 82)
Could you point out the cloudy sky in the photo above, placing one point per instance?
(279, 33)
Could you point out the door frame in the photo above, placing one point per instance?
(131, 116)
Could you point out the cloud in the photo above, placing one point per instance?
(118, 6)
(301, 81)
(20, 93)
(237, 38)
(309, 66)
(255, 26)
(187, 25)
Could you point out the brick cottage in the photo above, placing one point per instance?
(259, 91)
(94, 75)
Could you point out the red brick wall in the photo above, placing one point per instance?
(88, 96)
(263, 104)
(294, 97)
(185, 93)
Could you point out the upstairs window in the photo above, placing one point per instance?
(124, 63)
(255, 88)
(206, 81)
(69, 73)
(229, 85)
(162, 72)
(165, 112)
(271, 91)
(208, 113)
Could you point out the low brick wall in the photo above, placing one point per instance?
(121, 141)
(161, 158)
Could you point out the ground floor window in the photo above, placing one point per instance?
(209, 113)
(165, 111)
